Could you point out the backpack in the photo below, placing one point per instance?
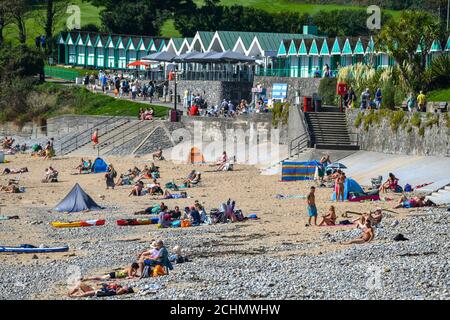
(408, 188)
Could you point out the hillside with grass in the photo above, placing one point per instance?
(91, 15)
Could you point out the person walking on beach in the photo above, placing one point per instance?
(95, 138)
(312, 209)
(110, 176)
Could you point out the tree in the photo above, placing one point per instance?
(54, 10)
(19, 11)
(4, 17)
(402, 37)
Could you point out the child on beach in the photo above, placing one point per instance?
(127, 273)
(312, 209)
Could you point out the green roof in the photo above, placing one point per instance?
(347, 50)
(359, 48)
(177, 43)
(436, 46)
(206, 37)
(325, 51)
(292, 49)
(370, 46)
(282, 49)
(336, 47)
(313, 50)
(302, 51)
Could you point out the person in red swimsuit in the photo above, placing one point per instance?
(391, 183)
(95, 138)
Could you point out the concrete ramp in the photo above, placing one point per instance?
(415, 170)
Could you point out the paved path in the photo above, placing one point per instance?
(155, 102)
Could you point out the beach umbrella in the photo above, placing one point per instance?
(138, 64)
(337, 165)
(184, 56)
(160, 57)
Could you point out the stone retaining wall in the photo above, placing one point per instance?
(381, 138)
(214, 91)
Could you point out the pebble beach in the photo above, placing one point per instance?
(274, 257)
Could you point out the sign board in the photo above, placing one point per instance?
(258, 90)
(279, 91)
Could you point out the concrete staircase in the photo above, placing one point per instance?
(329, 130)
(441, 197)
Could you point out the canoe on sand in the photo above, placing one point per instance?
(32, 249)
(76, 224)
(134, 222)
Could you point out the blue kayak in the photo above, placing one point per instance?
(32, 249)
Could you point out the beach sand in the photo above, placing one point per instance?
(281, 223)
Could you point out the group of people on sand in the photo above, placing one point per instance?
(365, 222)
(155, 261)
(8, 143)
(84, 166)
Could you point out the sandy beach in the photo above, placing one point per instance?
(266, 258)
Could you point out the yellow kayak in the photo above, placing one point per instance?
(76, 224)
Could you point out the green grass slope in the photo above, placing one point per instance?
(90, 15)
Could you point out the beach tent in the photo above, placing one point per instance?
(298, 171)
(350, 185)
(99, 166)
(195, 156)
(77, 200)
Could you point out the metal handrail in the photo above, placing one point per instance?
(299, 143)
(84, 137)
(138, 133)
(121, 136)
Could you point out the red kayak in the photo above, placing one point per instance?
(134, 222)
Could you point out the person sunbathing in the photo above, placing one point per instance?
(222, 162)
(12, 188)
(330, 218)
(102, 290)
(415, 202)
(390, 184)
(367, 235)
(376, 217)
(14, 171)
(51, 175)
(158, 155)
(168, 195)
(155, 188)
(192, 178)
(127, 273)
(137, 189)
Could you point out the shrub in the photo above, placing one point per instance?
(397, 119)
(280, 113)
(422, 131)
(327, 90)
(416, 120)
(432, 120)
(359, 119)
(439, 72)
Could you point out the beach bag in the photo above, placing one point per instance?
(185, 223)
(176, 224)
(170, 185)
(408, 188)
(398, 189)
(158, 270)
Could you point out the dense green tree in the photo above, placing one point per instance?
(402, 37)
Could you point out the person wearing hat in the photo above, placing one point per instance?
(158, 255)
(177, 256)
